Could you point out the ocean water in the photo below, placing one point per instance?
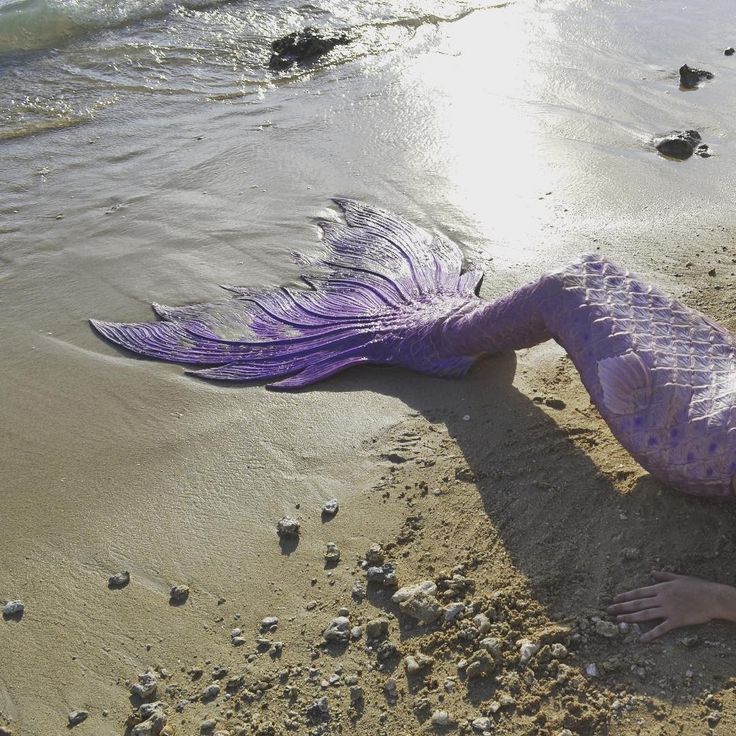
(62, 61)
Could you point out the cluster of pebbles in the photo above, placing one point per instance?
(460, 641)
(435, 639)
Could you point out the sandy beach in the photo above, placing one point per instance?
(523, 132)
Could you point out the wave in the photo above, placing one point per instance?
(30, 25)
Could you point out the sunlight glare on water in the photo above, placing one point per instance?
(483, 132)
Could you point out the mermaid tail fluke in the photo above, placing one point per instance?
(387, 292)
(379, 295)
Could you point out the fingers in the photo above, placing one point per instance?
(649, 592)
(663, 577)
(658, 630)
(631, 606)
(647, 615)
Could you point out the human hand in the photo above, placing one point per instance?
(680, 600)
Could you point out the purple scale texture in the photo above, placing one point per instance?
(663, 376)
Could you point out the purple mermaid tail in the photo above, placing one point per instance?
(663, 376)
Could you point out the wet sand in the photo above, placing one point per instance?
(112, 463)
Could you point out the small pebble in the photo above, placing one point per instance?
(729, 51)
(319, 711)
(207, 726)
(554, 403)
(679, 144)
(419, 601)
(453, 612)
(287, 527)
(383, 575)
(76, 717)
(493, 645)
(415, 664)
(179, 593)
(606, 629)
(332, 555)
(118, 580)
(482, 623)
(441, 719)
(558, 651)
(375, 554)
(269, 623)
(211, 692)
(146, 685)
(338, 631)
(481, 724)
(377, 628)
(219, 672)
(527, 649)
(13, 608)
(330, 508)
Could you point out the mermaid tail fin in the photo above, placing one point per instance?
(379, 295)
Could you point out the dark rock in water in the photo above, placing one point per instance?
(729, 51)
(703, 151)
(303, 47)
(679, 144)
(690, 77)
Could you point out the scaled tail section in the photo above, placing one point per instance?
(378, 295)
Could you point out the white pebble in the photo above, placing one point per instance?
(481, 724)
(527, 649)
(441, 719)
